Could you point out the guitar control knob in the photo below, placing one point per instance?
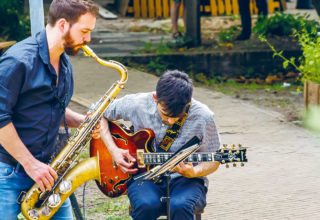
(103, 184)
(110, 180)
(116, 177)
(110, 194)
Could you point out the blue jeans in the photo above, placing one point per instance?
(187, 195)
(13, 180)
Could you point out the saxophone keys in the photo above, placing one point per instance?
(46, 211)
(33, 214)
(54, 200)
(65, 186)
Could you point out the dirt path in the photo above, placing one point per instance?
(281, 179)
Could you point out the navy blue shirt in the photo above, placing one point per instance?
(29, 96)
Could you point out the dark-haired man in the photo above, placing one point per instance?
(171, 104)
(36, 85)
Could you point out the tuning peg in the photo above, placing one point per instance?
(233, 146)
(234, 164)
(239, 145)
(224, 145)
(242, 164)
(227, 165)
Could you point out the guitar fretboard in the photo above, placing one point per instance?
(160, 158)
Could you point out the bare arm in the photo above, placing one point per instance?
(202, 169)
(73, 118)
(122, 158)
(41, 173)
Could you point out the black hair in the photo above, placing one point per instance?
(174, 92)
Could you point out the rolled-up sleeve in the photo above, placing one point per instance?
(211, 138)
(120, 108)
(11, 76)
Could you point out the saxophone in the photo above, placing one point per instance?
(71, 172)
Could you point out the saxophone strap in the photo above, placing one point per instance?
(173, 132)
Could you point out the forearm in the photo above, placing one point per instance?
(12, 143)
(204, 169)
(106, 136)
(73, 118)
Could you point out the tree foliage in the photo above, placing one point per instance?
(14, 21)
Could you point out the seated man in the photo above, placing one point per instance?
(170, 105)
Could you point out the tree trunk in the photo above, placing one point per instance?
(316, 4)
(304, 4)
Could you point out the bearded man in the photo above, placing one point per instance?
(36, 85)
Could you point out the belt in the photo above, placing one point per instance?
(8, 160)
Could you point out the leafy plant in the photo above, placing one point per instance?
(309, 62)
(15, 23)
(228, 34)
(282, 24)
(157, 67)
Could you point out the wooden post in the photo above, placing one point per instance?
(36, 16)
(193, 21)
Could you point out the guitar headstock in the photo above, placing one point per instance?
(232, 154)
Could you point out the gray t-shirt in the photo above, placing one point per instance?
(141, 110)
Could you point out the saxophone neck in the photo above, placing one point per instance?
(110, 63)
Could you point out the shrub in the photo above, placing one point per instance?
(309, 62)
(282, 24)
(14, 22)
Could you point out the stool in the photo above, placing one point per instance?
(197, 214)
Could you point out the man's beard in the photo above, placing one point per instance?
(69, 47)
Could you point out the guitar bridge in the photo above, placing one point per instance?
(140, 159)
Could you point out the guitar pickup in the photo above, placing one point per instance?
(140, 159)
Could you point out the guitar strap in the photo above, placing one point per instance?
(173, 131)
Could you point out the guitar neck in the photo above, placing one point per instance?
(160, 158)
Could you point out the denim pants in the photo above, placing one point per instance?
(187, 195)
(13, 180)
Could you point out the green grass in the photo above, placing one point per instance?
(109, 208)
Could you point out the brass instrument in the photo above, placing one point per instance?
(72, 174)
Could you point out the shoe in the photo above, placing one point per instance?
(177, 35)
(243, 36)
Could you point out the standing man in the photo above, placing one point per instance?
(36, 85)
(169, 110)
(245, 14)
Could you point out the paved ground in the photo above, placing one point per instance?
(281, 179)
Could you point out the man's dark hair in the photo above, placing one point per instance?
(174, 92)
(70, 10)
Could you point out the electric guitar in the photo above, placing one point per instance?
(140, 145)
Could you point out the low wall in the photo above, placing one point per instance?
(230, 63)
